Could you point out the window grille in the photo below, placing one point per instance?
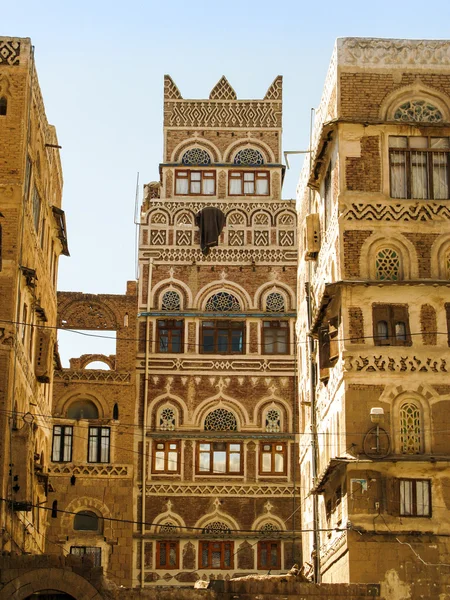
(223, 302)
(168, 527)
(273, 421)
(220, 420)
(248, 156)
(410, 429)
(216, 527)
(387, 265)
(269, 528)
(275, 302)
(171, 301)
(418, 110)
(196, 156)
(167, 419)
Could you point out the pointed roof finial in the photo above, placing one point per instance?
(275, 90)
(222, 90)
(171, 92)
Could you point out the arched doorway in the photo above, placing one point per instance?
(49, 584)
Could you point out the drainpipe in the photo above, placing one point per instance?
(144, 420)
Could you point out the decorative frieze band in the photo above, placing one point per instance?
(382, 53)
(90, 470)
(175, 489)
(91, 375)
(419, 211)
(231, 113)
(248, 207)
(236, 365)
(403, 364)
(223, 255)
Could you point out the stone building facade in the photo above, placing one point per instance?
(218, 481)
(32, 237)
(375, 253)
(92, 460)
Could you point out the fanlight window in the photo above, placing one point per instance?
(167, 419)
(387, 265)
(216, 527)
(275, 302)
(168, 527)
(220, 420)
(269, 528)
(196, 156)
(418, 110)
(171, 301)
(86, 520)
(248, 157)
(82, 409)
(410, 429)
(223, 302)
(273, 421)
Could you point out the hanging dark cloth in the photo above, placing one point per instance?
(211, 221)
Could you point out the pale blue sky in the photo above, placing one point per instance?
(101, 67)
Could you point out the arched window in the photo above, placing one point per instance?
(171, 301)
(3, 106)
(387, 265)
(273, 421)
(167, 419)
(275, 302)
(447, 265)
(269, 529)
(116, 412)
(410, 429)
(216, 527)
(82, 409)
(249, 157)
(223, 302)
(400, 331)
(196, 156)
(220, 420)
(418, 110)
(382, 330)
(86, 520)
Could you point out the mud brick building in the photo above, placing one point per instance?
(91, 463)
(374, 208)
(32, 238)
(218, 481)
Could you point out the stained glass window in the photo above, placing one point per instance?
(387, 265)
(223, 302)
(275, 302)
(273, 421)
(171, 301)
(410, 429)
(248, 156)
(196, 156)
(418, 110)
(167, 419)
(220, 420)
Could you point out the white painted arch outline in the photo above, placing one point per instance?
(222, 285)
(417, 91)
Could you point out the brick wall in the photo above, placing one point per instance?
(353, 241)
(364, 173)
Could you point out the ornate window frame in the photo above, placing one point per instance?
(424, 407)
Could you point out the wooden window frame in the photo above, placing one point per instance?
(169, 543)
(231, 326)
(227, 471)
(63, 435)
(273, 453)
(202, 179)
(171, 325)
(262, 175)
(414, 498)
(268, 544)
(392, 314)
(96, 433)
(222, 545)
(277, 326)
(429, 166)
(167, 450)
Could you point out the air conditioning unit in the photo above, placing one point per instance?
(312, 236)
(43, 357)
